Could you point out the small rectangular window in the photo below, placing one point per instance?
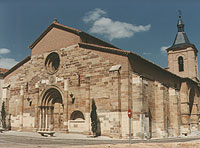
(180, 64)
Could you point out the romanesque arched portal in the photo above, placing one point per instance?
(51, 111)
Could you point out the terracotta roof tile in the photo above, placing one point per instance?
(76, 30)
(17, 65)
(3, 70)
(104, 48)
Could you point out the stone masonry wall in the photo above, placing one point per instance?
(158, 109)
(88, 77)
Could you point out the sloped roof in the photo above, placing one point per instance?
(181, 46)
(84, 36)
(133, 57)
(105, 49)
(3, 70)
(17, 66)
(181, 40)
(123, 53)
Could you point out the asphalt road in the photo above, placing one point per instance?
(11, 141)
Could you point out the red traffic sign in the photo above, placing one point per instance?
(129, 113)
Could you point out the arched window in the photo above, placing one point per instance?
(77, 114)
(180, 63)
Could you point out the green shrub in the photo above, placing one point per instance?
(3, 115)
(93, 116)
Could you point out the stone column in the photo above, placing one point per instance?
(44, 118)
(184, 106)
(51, 121)
(115, 101)
(40, 118)
(48, 117)
(141, 112)
(21, 107)
(87, 106)
(174, 113)
(37, 114)
(65, 102)
(137, 106)
(46, 121)
(161, 112)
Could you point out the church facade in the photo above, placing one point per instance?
(52, 89)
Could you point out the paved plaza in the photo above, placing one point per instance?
(13, 139)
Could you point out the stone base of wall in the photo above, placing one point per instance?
(112, 124)
(77, 126)
(28, 121)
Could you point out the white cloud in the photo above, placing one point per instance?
(7, 63)
(4, 51)
(163, 49)
(109, 28)
(93, 15)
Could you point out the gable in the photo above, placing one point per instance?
(55, 39)
(57, 36)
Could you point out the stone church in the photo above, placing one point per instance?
(52, 89)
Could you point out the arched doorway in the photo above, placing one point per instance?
(51, 111)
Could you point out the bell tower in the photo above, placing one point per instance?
(182, 55)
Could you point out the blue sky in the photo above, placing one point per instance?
(143, 26)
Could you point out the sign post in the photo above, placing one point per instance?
(129, 115)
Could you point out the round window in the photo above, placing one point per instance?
(52, 62)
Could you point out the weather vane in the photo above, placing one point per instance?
(180, 13)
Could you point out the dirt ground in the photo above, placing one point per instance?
(193, 144)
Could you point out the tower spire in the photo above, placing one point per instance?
(181, 37)
(180, 24)
(182, 55)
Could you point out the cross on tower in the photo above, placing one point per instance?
(180, 13)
